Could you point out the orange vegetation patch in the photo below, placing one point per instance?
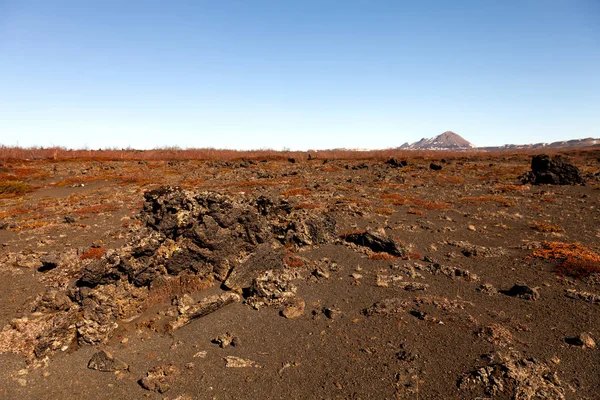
(396, 199)
(384, 211)
(94, 253)
(576, 260)
(296, 192)
(13, 188)
(489, 199)
(32, 225)
(545, 227)
(415, 211)
(97, 209)
(430, 205)
(292, 261)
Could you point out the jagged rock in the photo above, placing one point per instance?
(226, 340)
(187, 237)
(49, 262)
(160, 378)
(585, 296)
(294, 309)
(332, 313)
(487, 288)
(397, 164)
(387, 306)
(552, 171)
(60, 332)
(522, 292)
(584, 340)
(514, 377)
(473, 250)
(105, 362)
(52, 300)
(204, 307)
(451, 272)
(496, 334)
(263, 259)
(272, 288)
(377, 242)
(237, 362)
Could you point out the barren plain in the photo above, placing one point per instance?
(310, 277)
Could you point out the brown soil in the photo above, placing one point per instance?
(436, 318)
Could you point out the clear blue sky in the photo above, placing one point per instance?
(296, 74)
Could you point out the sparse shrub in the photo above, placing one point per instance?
(292, 261)
(94, 253)
(395, 199)
(430, 205)
(415, 211)
(32, 225)
(489, 199)
(14, 188)
(384, 211)
(576, 260)
(545, 227)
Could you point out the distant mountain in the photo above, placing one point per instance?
(446, 141)
(565, 144)
(451, 141)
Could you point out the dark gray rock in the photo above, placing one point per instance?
(552, 171)
(105, 362)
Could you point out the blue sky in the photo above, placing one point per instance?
(296, 74)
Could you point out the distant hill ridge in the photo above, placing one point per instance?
(446, 141)
(452, 141)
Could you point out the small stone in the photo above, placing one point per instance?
(522, 292)
(105, 362)
(321, 273)
(472, 228)
(487, 288)
(356, 276)
(237, 362)
(200, 354)
(332, 313)
(159, 378)
(584, 340)
(294, 309)
(226, 339)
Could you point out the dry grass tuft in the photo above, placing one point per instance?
(576, 260)
(414, 211)
(94, 253)
(15, 188)
(489, 199)
(545, 227)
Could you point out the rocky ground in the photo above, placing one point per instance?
(462, 278)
